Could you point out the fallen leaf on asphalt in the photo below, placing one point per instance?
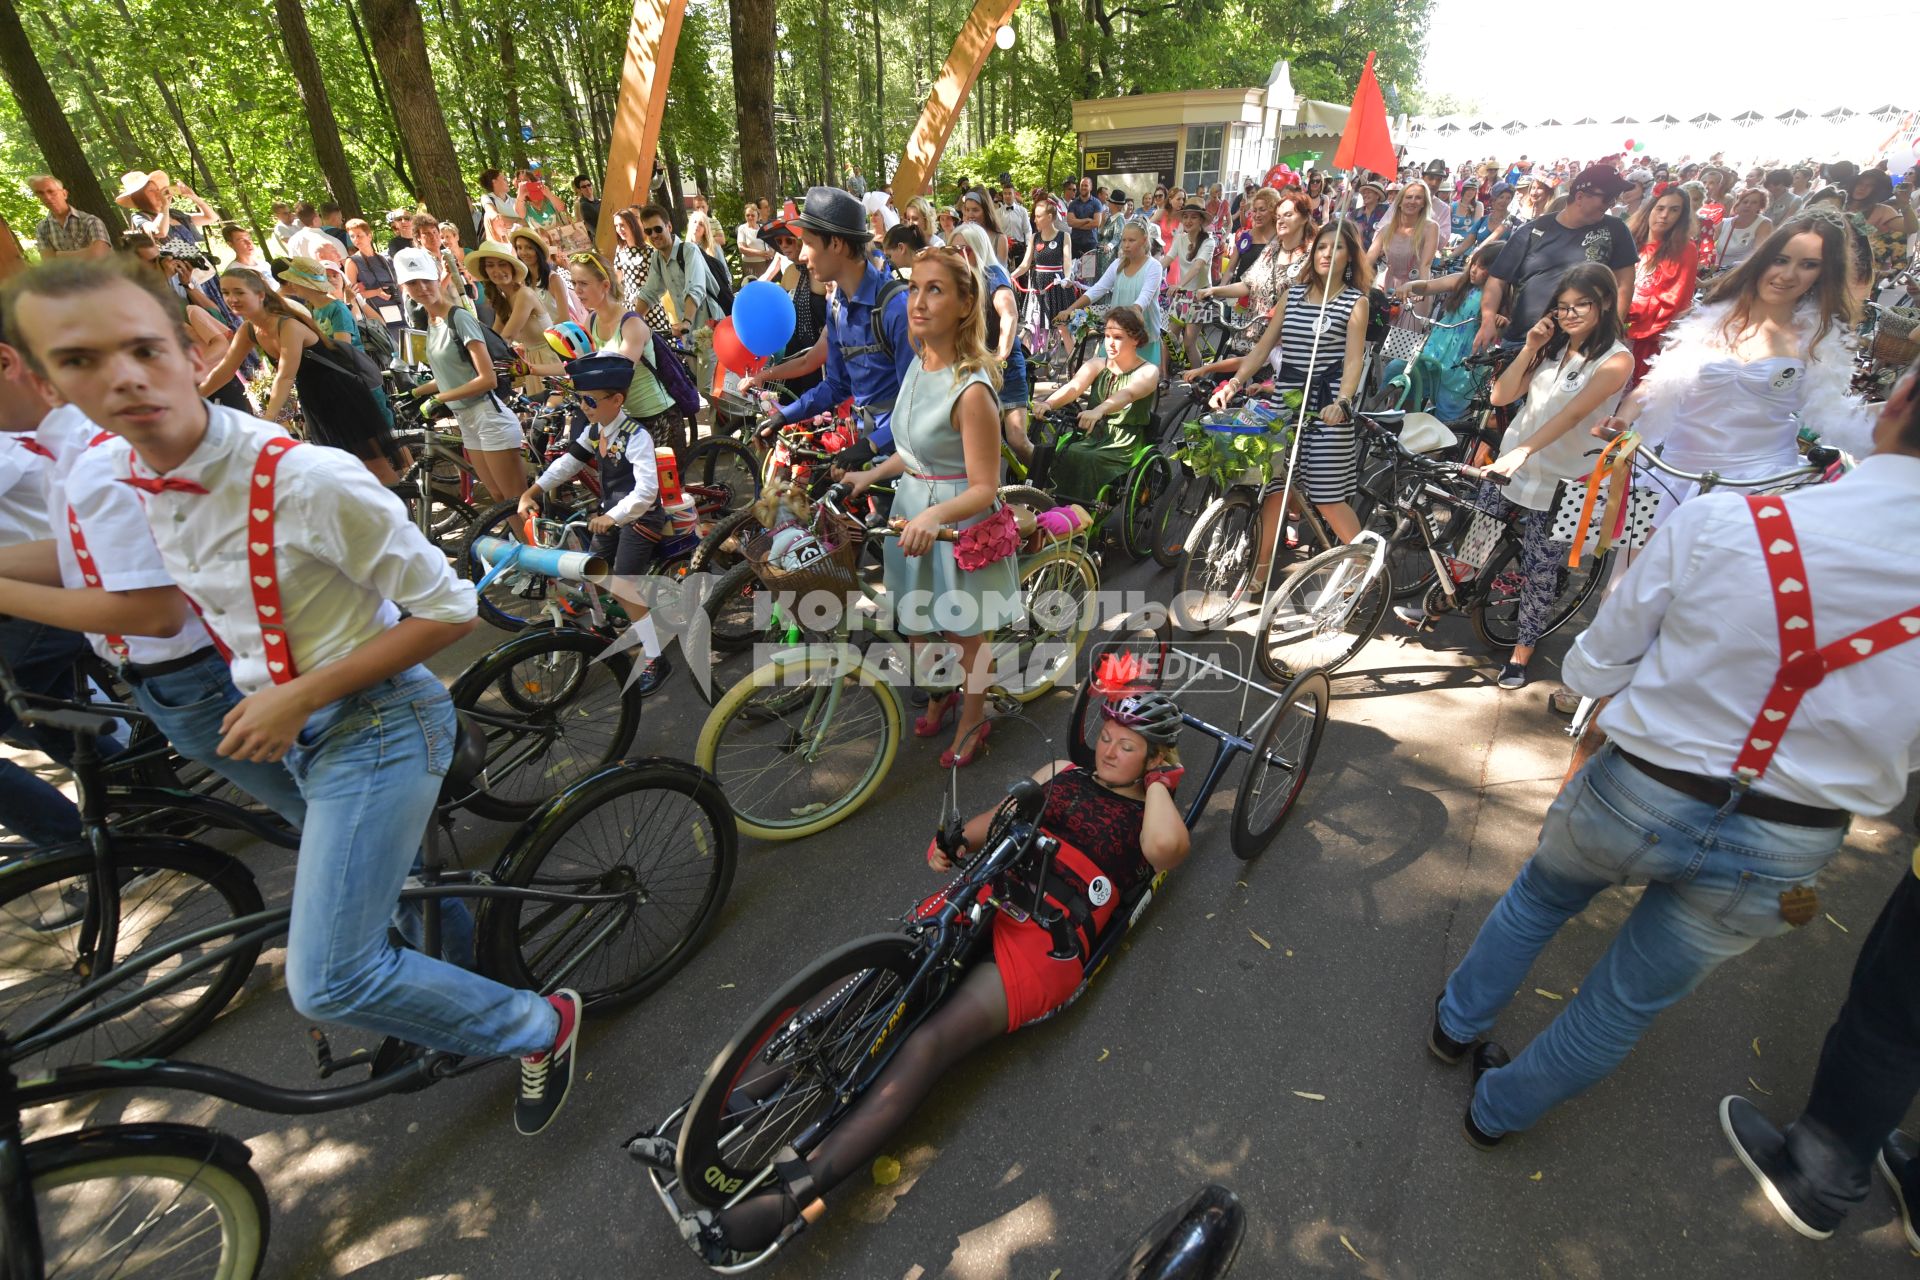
(1241, 883)
(1542, 991)
(1535, 1176)
(1756, 1046)
(1350, 1249)
(1756, 1084)
(1310, 1097)
(1262, 941)
(1212, 914)
(1103, 1055)
(886, 1171)
(1054, 1274)
(726, 986)
(1836, 924)
(1289, 951)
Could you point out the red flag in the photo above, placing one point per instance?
(1365, 144)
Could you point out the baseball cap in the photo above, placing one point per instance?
(415, 264)
(1599, 178)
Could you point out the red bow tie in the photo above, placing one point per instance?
(164, 484)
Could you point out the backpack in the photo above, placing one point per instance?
(719, 292)
(674, 378)
(881, 337)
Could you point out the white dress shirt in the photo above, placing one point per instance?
(345, 550)
(1688, 643)
(120, 550)
(23, 500)
(639, 454)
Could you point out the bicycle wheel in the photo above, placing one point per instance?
(1279, 766)
(657, 829)
(1185, 498)
(1145, 637)
(1218, 562)
(721, 474)
(802, 743)
(1496, 609)
(555, 707)
(713, 555)
(149, 1199)
(1057, 589)
(791, 1069)
(1138, 505)
(517, 598)
(1322, 613)
(167, 889)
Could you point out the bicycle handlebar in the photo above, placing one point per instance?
(52, 713)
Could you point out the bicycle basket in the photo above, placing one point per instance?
(1405, 343)
(822, 558)
(1636, 519)
(1894, 337)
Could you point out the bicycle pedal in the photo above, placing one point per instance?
(326, 1063)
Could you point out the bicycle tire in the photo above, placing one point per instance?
(1408, 564)
(1216, 567)
(167, 889)
(1296, 614)
(711, 556)
(558, 685)
(1278, 768)
(611, 832)
(194, 1172)
(725, 467)
(1145, 486)
(1146, 634)
(515, 600)
(1497, 597)
(1025, 495)
(823, 1025)
(1057, 589)
(1187, 496)
(763, 716)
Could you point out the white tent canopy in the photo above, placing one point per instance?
(1747, 137)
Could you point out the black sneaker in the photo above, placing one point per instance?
(1763, 1149)
(1896, 1165)
(653, 677)
(1443, 1046)
(1487, 1056)
(1512, 676)
(546, 1077)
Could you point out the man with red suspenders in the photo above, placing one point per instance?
(299, 563)
(1764, 689)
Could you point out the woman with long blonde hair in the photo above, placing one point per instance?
(946, 469)
(1403, 246)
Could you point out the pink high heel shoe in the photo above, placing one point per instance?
(930, 724)
(981, 732)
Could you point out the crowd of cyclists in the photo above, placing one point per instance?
(204, 450)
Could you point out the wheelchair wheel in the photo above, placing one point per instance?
(1181, 504)
(1145, 486)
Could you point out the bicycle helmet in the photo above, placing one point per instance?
(1148, 712)
(569, 341)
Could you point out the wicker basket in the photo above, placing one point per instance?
(1894, 340)
(826, 559)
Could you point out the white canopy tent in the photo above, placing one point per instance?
(1744, 138)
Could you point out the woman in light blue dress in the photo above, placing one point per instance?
(1134, 279)
(946, 469)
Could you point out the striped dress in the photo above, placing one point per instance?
(1329, 467)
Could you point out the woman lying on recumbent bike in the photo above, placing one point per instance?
(1118, 826)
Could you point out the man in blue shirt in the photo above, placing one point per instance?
(866, 355)
(1085, 215)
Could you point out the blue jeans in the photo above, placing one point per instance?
(1714, 886)
(187, 707)
(42, 659)
(370, 767)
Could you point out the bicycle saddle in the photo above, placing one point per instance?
(469, 760)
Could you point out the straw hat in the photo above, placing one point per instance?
(528, 233)
(477, 260)
(133, 181)
(305, 272)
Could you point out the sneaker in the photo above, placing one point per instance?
(1512, 676)
(1415, 616)
(1896, 1165)
(653, 677)
(1443, 1046)
(1763, 1149)
(654, 1152)
(546, 1077)
(1486, 1057)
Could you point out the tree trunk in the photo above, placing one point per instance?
(753, 24)
(569, 106)
(240, 188)
(393, 27)
(826, 93)
(510, 76)
(111, 121)
(319, 107)
(879, 100)
(402, 164)
(47, 120)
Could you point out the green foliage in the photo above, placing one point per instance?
(1225, 455)
(228, 72)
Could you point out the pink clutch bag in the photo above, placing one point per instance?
(994, 538)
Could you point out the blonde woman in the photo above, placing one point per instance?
(521, 313)
(1405, 242)
(946, 469)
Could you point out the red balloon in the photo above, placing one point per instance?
(730, 352)
(1629, 144)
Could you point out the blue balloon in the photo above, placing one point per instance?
(763, 318)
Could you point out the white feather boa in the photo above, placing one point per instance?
(1828, 404)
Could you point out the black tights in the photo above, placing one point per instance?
(974, 1014)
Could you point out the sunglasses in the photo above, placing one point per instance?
(589, 399)
(654, 230)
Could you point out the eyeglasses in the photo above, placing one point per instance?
(1580, 308)
(655, 230)
(588, 400)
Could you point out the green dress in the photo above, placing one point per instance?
(1085, 464)
(932, 592)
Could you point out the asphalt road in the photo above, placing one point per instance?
(1309, 972)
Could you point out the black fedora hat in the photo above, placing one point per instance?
(829, 211)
